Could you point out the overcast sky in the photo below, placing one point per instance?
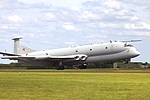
(48, 24)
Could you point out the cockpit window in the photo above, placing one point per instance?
(128, 45)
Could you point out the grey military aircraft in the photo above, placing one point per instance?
(74, 55)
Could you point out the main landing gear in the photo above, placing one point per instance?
(82, 66)
(60, 68)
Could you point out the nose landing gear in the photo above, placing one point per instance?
(126, 61)
(60, 66)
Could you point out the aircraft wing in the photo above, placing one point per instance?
(74, 57)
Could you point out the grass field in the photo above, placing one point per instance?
(90, 84)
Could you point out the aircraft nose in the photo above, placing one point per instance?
(133, 52)
(136, 53)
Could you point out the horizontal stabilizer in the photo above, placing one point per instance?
(9, 54)
(17, 57)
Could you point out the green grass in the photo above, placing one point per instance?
(91, 84)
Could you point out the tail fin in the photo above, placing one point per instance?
(19, 49)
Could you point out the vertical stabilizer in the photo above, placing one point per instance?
(19, 49)
(17, 46)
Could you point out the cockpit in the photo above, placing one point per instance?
(128, 45)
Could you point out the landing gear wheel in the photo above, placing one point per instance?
(82, 67)
(60, 68)
(126, 61)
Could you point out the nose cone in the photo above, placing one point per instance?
(136, 53)
(133, 52)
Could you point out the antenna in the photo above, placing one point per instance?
(131, 41)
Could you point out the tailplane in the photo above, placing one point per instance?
(19, 49)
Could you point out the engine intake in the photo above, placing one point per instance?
(81, 57)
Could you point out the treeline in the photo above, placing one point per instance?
(120, 64)
(14, 66)
(28, 66)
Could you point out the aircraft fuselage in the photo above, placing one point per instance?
(94, 53)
